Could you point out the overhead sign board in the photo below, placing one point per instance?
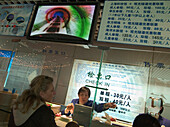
(145, 23)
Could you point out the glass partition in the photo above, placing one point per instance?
(159, 82)
(125, 76)
(131, 78)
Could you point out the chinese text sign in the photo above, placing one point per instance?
(127, 86)
(144, 23)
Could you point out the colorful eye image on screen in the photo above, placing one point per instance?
(72, 20)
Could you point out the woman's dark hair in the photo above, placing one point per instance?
(84, 89)
(146, 120)
(72, 124)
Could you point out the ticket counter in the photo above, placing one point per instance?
(63, 120)
(97, 121)
(6, 100)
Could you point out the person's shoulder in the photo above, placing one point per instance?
(165, 120)
(44, 108)
(90, 101)
(75, 100)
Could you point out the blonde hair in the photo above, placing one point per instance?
(31, 95)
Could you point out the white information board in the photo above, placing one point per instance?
(139, 22)
(126, 86)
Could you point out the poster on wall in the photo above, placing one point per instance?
(122, 84)
(145, 23)
(14, 19)
(6, 58)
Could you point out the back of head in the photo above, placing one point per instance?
(40, 83)
(72, 124)
(29, 96)
(145, 120)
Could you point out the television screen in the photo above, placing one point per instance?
(64, 22)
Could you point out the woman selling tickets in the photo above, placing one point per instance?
(84, 94)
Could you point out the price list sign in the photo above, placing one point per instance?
(145, 23)
(124, 85)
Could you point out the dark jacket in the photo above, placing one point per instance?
(41, 117)
(164, 121)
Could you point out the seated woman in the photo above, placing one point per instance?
(84, 94)
(30, 109)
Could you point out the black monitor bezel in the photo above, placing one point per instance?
(65, 38)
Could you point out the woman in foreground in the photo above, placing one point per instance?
(30, 109)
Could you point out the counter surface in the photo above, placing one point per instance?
(63, 120)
